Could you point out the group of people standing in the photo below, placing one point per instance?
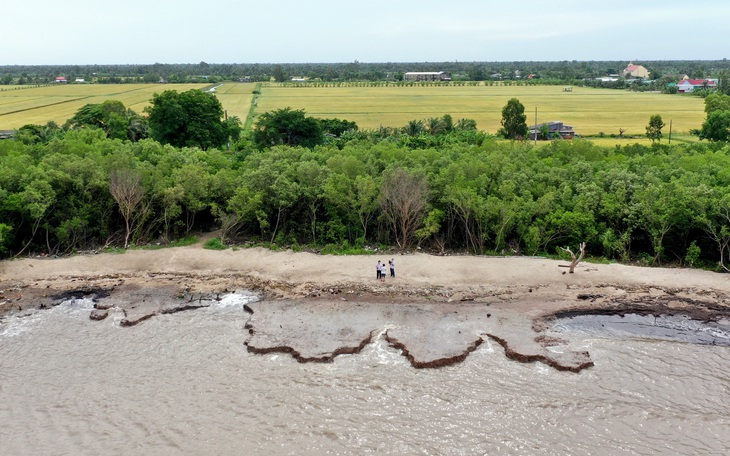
(382, 272)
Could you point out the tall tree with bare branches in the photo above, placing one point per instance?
(126, 188)
(403, 202)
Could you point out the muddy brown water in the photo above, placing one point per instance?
(185, 384)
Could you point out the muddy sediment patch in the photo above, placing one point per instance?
(677, 327)
(669, 317)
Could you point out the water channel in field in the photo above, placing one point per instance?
(184, 384)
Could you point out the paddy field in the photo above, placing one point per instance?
(590, 111)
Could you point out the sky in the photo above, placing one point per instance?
(84, 32)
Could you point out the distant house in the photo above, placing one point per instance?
(427, 76)
(61, 79)
(79, 81)
(636, 71)
(7, 134)
(555, 129)
(298, 79)
(689, 85)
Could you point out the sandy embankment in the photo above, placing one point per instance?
(436, 311)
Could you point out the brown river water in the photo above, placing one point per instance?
(184, 384)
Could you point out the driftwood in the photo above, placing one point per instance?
(575, 260)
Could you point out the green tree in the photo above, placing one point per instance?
(717, 102)
(337, 127)
(194, 180)
(448, 123)
(544, 132)
(716, 127)
(111, 116)
(288, 127)
(89, 115)
(654, 129)
(188, 119)
(6, 235)
(723, 83)
(278, 74)
(414, 128)
(514, 120)
(466, 125)
(435, 125)
(37, 134)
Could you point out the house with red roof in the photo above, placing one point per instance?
(61, 79)
(636, 71)
(689, 85)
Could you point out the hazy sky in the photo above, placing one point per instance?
(284, 31)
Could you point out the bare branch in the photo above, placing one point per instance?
(125, 186)
(575, 260)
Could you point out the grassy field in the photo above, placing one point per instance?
(589, 111)
(58, 103)
(677, 138)
(235, 98)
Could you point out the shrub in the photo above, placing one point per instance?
(693, 254)
(214, 244)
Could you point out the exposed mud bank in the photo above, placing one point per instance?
(705, 310)
(435, 362)
(315, 308)
(666, 315)
(581, 359)
(428, 335)
(327, 358)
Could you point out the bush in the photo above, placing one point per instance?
(334, 249)
(214, 244)
(693, 254)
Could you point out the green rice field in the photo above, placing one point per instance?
(58, 103)
(590, 111)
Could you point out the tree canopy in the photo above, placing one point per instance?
(654, 129)
(647, 204)
(287, 126)
(113, 117)
(717, 125)
(514, 125)
(190, 119)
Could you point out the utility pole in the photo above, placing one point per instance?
(670, 131)
(535, 126)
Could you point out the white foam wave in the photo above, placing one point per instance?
(234, 300)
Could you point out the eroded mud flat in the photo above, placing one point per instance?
(429, 330)
(428, 335)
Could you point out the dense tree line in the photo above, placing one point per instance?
(550, 71)
(82, 189)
